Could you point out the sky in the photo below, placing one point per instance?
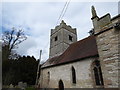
(38, 18)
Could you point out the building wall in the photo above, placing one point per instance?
(62, 33)
(108, 44)
(108, 41)
(83, 75)
(108, 51)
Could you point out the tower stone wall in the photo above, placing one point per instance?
(107, 33)
(61, 37)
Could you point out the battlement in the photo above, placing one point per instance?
(103, 23)
(61, 37)
(61, 26)
(104, 20)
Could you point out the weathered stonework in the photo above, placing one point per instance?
(107, 35)
(63, 72)
(108, 54)
(62, 32)
(108, 41)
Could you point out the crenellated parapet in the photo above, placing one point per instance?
(61, 26)
(61, 37)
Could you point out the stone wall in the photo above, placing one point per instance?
(62, 32)
(108, 41)
(83, 75)
(108, 53)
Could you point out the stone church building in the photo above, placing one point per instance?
(89, 63)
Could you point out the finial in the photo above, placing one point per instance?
(94, 14)
(62, 21)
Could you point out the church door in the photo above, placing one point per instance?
(61, 85)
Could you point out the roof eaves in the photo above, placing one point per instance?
(58, 64)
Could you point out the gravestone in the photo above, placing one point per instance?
(22, 85)
(11, 86)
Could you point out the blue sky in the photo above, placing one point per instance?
(38, 18)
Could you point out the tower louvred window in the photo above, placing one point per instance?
(70, 37)
(56, 38)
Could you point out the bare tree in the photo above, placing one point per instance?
(11, 40)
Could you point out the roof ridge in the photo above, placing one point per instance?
(81, 49)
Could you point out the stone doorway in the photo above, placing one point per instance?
(61, 85)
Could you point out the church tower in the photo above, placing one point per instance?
(60, 39)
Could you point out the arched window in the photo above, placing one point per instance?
(48, 77)
(97, 73)
(73, 75)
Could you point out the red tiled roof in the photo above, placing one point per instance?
(81, 49)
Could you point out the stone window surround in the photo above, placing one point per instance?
(56, 38)
(73, 75)
(93, 76)
(70, 38)
(48, 76)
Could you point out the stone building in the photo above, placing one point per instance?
(89, 63)
(61, 37)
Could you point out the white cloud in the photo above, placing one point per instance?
(37, 19)
(32, 47)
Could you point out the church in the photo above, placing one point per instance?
(92, 62)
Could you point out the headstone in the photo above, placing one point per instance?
(11, 86)
(25, 85)
(22, 85)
